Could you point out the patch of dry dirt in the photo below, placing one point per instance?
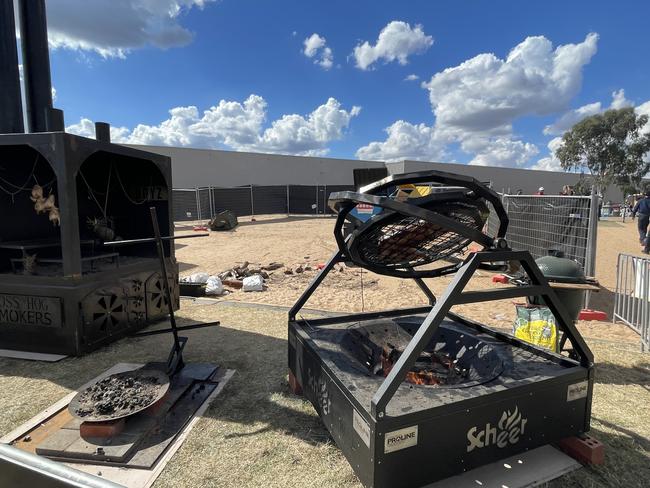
(310, 241)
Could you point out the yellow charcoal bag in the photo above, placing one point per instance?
(536, 325)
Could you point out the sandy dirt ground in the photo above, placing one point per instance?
(309, 241)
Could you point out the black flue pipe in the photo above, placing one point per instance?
(102, 131)
(11, 110)
(36, 64)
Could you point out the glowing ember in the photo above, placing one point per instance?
(431, 368)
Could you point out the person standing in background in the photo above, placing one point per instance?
(540, 191)
(642, 209)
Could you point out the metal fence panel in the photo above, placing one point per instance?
(184, 205)
(270, 199)
(632, 299)
(237, 200)
(303, 199)
(205, 203)
(540, 223)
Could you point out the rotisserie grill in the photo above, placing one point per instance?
(415, 395)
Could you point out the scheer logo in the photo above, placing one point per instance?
(508, 430)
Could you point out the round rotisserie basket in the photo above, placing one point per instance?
(394, 241)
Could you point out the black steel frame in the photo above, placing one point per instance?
(437, 311)
(497, 250)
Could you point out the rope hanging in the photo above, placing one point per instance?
(91, 193)
(24, 186)
(119, 179)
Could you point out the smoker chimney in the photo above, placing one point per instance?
(36, 63)
(11, 112)
(102, 132)
(55, 122)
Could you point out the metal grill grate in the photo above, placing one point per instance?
(399, 241)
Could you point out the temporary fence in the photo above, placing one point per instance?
(203, 203)
(632, 301)
(539, 223)
(615, 211)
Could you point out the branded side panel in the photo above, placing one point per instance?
(349, 427)
(414, 453)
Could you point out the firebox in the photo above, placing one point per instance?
(416, 395)
(61, 197)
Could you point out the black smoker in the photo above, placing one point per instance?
(415, 395)
(61, 197)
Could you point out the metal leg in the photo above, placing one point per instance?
(337, 257)
(421, 338)
(426, 290)
(175, 361)
(454, 295)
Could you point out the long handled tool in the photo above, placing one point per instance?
(175, 360)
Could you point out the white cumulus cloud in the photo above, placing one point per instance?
(112, 28)
(239, 126)
(412, 77)
(486, 93)
(476, 102)
(550, 162)
(644, 109)
(405, 141)
(570, 118)
(499, 151)
(316, 48)
(396, 42)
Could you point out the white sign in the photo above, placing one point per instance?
(401, 439)
(577, 391)
(361, 427)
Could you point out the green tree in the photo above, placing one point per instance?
(611, 146)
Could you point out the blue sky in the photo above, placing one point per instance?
(129, 62)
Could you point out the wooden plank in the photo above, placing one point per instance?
(574, 286)
(42, 431)
(57, 442)
(157, 441)
(31, 356)
(42, 417)
(145, 478)
(131, 478)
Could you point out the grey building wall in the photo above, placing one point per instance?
(508, 179)
(208, 167)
